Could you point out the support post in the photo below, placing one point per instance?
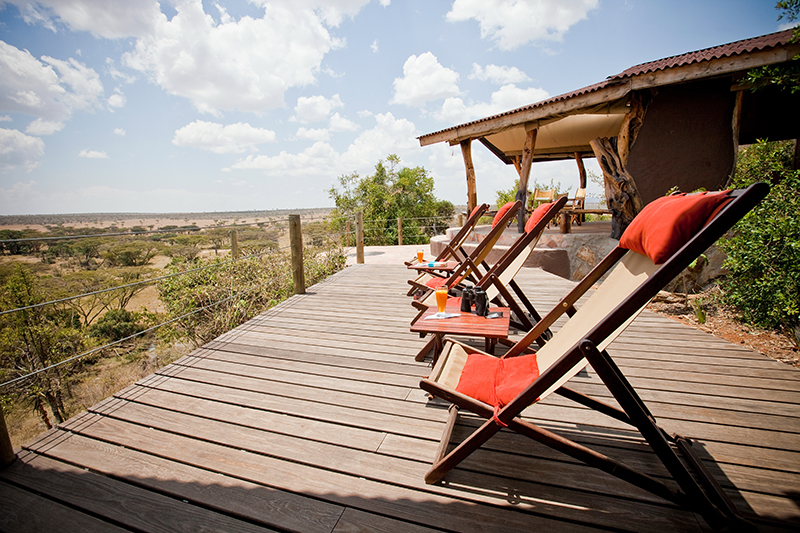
(235, 244)
(7, 455)
(735, 129)
(581, 169)
(472, 191)
(296, 245)
(399, 231)
(524, 174)
(622, 195)
(360, 238)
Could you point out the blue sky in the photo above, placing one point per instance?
(190, 105)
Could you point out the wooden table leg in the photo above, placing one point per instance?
(564, 222)
(432, 344)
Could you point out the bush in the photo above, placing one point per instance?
(763, 249)
(227, 294)
(116, 324)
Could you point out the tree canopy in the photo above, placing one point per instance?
(391, 192)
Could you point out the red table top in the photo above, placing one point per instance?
(466, 324)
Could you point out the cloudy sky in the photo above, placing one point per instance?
(190, 105)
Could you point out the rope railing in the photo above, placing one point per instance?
(138, 334)
(137, 283)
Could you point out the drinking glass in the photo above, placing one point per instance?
(441, 299)
(420, 255)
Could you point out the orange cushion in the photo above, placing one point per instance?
(436, 282)
(501, 213)
(497, 381)
(537, 215)
(666, 224)
(477, 207)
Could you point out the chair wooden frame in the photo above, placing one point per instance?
(470, 266)
(583, 340)
(455, 248)
(498, 282)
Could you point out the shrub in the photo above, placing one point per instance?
(116, 324)
(763, 249)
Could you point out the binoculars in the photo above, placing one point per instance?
(477, 297)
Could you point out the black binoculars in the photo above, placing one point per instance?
(477, 297)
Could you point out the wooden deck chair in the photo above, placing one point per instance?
(454, 249)
(498, 282)
(471, 267)
(660, 242)
(577, 203)
(540, 196)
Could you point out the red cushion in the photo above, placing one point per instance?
(436, 282)
(666, 224)
(537, 215)
(497, 381)
(501, 213)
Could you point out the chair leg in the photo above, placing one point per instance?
(653, 434)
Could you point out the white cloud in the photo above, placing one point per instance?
(44, 127)
(508, 97)
(332, 12)
(339, 123)
(513, 23)
(498, 74)
(111, 20)
(18, 150)
(92, 154)
(33, 87)
(219, 139)
(311, 134)
(374, 46)
(117, 99)
(116, 73)
(424, 79)
(316, 108)
(246, 64)
(119, 131)
(322, 161)
(5, 118)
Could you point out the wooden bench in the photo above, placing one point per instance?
(565, 216)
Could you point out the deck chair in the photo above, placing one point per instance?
(576, 203)
(498, 282)
(454, 249)
(471, 267)
(540, 196)
(660, 242)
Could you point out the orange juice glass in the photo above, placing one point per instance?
(441, 298)
(420, 255)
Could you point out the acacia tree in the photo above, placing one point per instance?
(33, 339)
(389, 193)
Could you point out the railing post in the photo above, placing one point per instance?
(347, 234)
(360, 238)
(7, 455)
(296, 244)
(460, 220)
(399, 231)
(235, 243)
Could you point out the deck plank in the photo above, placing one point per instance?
(309, 418)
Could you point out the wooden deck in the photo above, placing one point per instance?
(309, 418)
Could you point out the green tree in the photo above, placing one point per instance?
(786, 76)
(764, 249)
(32, 340)
(388, 194)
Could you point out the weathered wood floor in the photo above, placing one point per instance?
(309, 418)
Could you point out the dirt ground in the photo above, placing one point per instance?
(721, 322)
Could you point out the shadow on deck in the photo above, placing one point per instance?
(309, 418)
